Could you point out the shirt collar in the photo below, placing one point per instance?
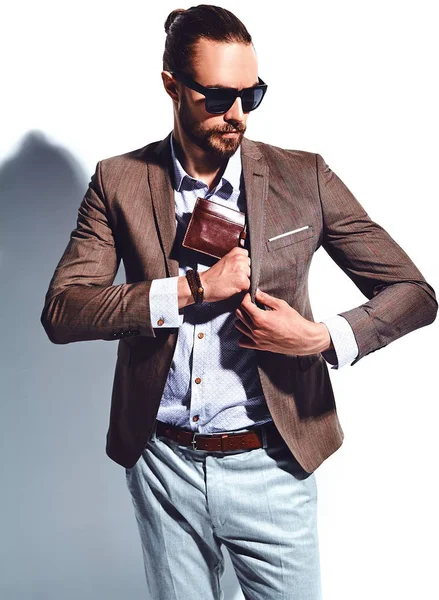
(232, 173)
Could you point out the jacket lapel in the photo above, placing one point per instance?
(162, 194)
(255, 173)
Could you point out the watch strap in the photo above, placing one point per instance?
(195, 285)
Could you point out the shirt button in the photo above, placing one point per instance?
(201, 335)
(198, 380)
(195, 418)
(160, 322)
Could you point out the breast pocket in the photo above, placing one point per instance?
(286, 263)
(290, 238)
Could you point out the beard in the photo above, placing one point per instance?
(211, 140)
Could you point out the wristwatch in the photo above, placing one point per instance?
(195, 285)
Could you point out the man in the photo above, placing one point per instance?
(222, 404)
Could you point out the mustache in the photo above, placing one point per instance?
(239, 129)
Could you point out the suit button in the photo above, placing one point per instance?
(201, 335)
(160, 322)
(195, 418)
(198, 380)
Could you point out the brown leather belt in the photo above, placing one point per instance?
(220, 442)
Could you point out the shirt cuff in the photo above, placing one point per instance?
(343, 340)
(163, 303)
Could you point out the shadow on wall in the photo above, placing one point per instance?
(40, 189)
(65, 511)
(41, 186)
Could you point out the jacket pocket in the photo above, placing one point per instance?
(290, 238)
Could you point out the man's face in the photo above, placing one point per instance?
(230, 65)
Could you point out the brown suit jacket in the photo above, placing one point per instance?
(128, 213)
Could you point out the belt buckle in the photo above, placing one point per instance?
(194, 440)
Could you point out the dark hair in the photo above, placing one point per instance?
(185, 27)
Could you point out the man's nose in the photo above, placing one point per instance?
(235, 112)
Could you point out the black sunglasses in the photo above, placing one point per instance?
(219, 100)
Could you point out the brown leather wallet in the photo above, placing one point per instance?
(215, 229)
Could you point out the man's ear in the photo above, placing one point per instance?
(171, 86)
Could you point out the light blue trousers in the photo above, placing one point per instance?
(259, 503)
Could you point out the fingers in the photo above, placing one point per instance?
(242, 327)
(249, 308)
(267, 299)
(243, 318)
(246, 342)
(238, 250)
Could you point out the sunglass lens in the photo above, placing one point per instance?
(218, 106)
(252, 99)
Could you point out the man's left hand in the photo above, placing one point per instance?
(281, 329)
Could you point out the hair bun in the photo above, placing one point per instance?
(172, 16)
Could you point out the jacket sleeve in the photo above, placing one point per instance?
(81, 302)
(399, 298)
(343, 340)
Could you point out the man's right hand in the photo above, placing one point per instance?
(229, 276)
